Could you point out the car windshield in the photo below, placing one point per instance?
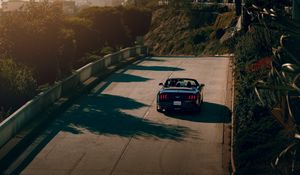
(181, 83)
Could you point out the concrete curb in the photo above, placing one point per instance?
(16, 145)
(233, 122)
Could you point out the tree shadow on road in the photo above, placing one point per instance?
(154, 59)
(102, 114)
(123, 77)
(210, 113)
(105, 114)
(155, 68)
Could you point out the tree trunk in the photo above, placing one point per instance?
(238, 7)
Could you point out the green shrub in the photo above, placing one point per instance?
(258, 133)
(202, 35)
(199, 18)
(86, 38)
(17, 84)
(219, 33)
(211, 8)
(66, 52)
(106, 51)
(108, 24)
(137, 20)
(4, 114)
(32, 37)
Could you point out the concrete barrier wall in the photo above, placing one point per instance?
(16, 121)
(85, 72)
(132, 52)
(12, 125)
(107, 60)
(138, 51)
(98, 65)
(69, 83)
(125, 53)
(115, 58)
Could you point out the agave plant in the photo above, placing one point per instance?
(280, 91)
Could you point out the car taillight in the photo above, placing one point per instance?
(163, 96)
(192, 97)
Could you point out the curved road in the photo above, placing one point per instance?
(116, 130)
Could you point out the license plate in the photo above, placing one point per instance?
(177, 103)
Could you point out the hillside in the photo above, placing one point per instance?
(188, 33)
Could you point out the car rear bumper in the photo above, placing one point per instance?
(185, 105)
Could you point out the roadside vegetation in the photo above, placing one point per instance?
(40, 44)
(265, 83)
(259, 137)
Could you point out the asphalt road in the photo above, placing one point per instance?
(116, 130)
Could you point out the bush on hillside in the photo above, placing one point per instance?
(182, 4)
(211, 8)
(66, 52)
(106, 51)
(4, 114)
(202, 35)
(137, 20)
(87, 58)
(151, 4)
(108, 24)
(85, 36)
(219, 33)
(199, 18)
(32, 36)
(17, 84)
(269, 3)
(117, 27)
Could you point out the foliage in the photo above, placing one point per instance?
(3, 113)
(199, 39)
(281, 88)
(87, 58)
(106, 51)
(256, 129)
(202, 35)
(219, 33)
(32, 36)
(180, 4)
(17, 84)
(137, 20)
(108, 24)
(277, 87)
(85, 36)
(66, 51)
(152, 4)
(211, 8)
(258, 143)
(114, 27)
(269, 3)
(199, 18)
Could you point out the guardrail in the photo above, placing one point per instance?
(16, 121)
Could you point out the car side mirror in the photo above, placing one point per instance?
(202, 85)
(161, 84)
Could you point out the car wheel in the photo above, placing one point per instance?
(158, 109)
